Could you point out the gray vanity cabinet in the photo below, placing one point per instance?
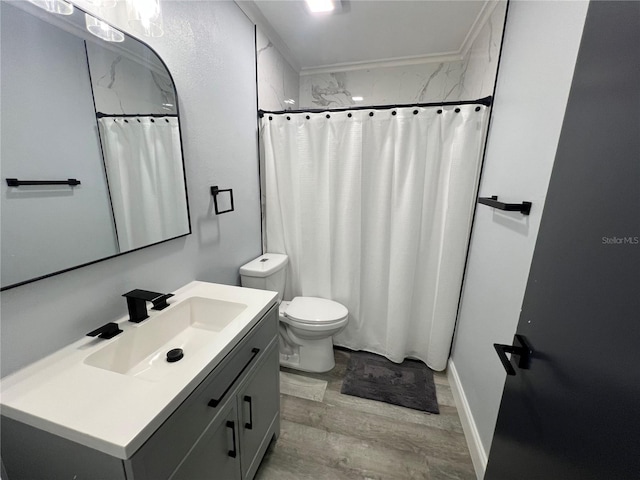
(219, 432)
(233, 445)
(223, 429)
(216, 453)
(258, 406)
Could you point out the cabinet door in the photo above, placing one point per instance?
(259, 407)
(216, 455)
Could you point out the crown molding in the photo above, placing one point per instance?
(254, 14)
(479, 23)
(388, 62)
(458, 55)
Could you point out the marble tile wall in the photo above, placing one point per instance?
(428, 82)
(278, 82)
(125, 85)
(278, 89)
(481, 61)
(470, 78)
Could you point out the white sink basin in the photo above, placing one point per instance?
(111, 395)
(190, 325)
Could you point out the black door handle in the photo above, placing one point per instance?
(249, 424)
(523, 351)
(232, 453)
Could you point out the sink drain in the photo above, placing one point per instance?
(174, 355)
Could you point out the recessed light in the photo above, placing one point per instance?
(102, 30)
(357, 99)
(321, 6)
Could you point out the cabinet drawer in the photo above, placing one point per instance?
(161, 454)
(243, 358)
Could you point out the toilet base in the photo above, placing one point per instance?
(311, 356)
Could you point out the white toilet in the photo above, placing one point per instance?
(307, 324)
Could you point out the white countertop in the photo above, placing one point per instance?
(112, 412)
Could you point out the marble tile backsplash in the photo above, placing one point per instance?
(278, 82)
(468, 79)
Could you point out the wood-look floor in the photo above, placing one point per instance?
(345, 437)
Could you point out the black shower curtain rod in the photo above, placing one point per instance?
(486, 101)
(133, 115)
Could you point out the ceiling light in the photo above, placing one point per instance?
(103, 3)
(321, 6)
(357, 99)
(102, 30)
(54, 6)
(290, 101)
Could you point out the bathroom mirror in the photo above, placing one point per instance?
(101, 113)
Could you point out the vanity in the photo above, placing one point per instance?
(117, 409)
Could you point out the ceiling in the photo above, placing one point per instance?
(368, 31)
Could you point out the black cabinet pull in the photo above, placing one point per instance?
(214, 402)
(523, 351)
(232, 453)
(249, 424)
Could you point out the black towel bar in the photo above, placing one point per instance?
(524, 207)
(14, 182)
(215, 191)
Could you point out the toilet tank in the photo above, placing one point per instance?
(266, 272)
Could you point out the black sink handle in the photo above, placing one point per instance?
(106, 331)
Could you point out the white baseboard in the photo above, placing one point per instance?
(478, 454)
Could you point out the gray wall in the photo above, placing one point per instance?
(44, 136)
(209, 48)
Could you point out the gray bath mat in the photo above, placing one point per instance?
(409, 384)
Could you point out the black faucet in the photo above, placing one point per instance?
(137, 303)
(106, 331)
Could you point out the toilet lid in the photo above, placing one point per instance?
(315, 310)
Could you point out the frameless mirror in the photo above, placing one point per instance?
(101, 113)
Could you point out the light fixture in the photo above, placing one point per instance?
(290, 101)
(357, 99)
(103, 3)
(102, 30)
(145, 17)
(321, 6)
(54, 6)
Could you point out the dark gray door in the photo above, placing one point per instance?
(574, 413)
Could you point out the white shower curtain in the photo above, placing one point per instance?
(146, 180)
(374, 209)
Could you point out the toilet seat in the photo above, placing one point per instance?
(315, 311)
(306, 324)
